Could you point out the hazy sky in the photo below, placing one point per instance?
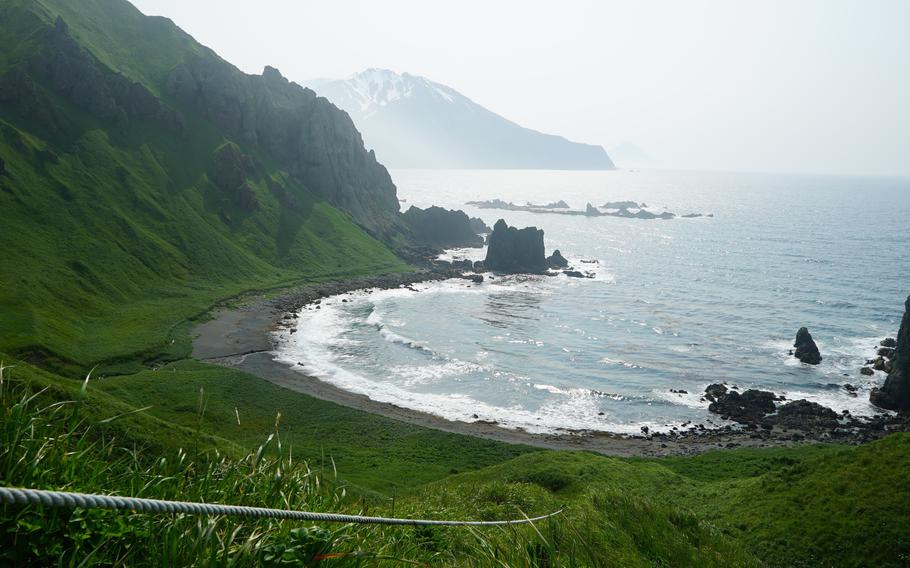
(797, 85)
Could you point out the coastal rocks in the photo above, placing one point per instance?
(867, 371)
(479, 227)
(804, 415)
(748, 407)
(625, 209)
(442, 228)
(556, 260)
(806, 349)
(513, 250)
(894, 394)
(888, 342)
(715, 391)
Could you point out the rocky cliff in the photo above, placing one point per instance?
(895, 393)
(515, 250)
(438, 227)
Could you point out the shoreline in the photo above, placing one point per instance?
(241, 338)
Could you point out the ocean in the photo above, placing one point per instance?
(674, 305)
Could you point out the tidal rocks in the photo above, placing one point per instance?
(748, 407)
(806, 349)
(573, 274)
(514, 250)
(867, 371)
(888, 342)
(804, 415)
(623, 205)
(895, 393)
(715, 391)
(556, 260)
(591, 211)
(440, 227)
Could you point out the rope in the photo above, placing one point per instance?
(66, 499)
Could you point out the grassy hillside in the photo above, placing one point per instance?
(803, 506)
(118, 229)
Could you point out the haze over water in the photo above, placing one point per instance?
(675, 304)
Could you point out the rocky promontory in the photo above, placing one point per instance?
(895, 393)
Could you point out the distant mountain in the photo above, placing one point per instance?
(412, 122)
(627, 156)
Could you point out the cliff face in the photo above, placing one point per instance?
(516, 250)
(895, 393)
(444, 228)
(315, 141)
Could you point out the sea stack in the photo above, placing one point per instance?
(895, 393)
(806, 349)
(514, 250)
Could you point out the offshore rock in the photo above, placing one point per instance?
(748, 407)
(556, 260)
(895, 393)
(440, 227)
(806, 349)
(514, 250)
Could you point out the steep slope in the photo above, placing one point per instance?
(413, 122)
(127, 209)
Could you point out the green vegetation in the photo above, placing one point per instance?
(801, 506)
(120, 228)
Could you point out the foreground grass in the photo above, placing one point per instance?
(820, 505)
(48, 442)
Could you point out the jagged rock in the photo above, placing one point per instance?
(806, 349)
(479, 227)
(886, 352)
(879, 364)
(888, 342)
(804, 415)
(748, 407)
(556, 260)
(895, 392)
(715, 391)
(479, 266)
(515, 250)
(440, 227)
(867, 371)
(573, 274)
(308, 136)
(591, 211)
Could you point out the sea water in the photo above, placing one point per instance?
(674, 305)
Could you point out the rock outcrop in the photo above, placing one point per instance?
(894, 394)
(514, 250)
(806, 349)
(479, 227)
(556, 260)
(440, 227)
(315, 141)
(228, 173)
(748, 407)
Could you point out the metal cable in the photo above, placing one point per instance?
(70, 500)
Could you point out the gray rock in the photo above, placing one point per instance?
(895, 392)
(556, 260)
(440, 227)
(806, 349)
(513, 250)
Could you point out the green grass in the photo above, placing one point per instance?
(822, 505)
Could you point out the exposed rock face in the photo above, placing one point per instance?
(895, 393)
(806, 349)
(715, 391)
(228, 172)
(556, 260)
(440, 227)
(514, 250)
(748, 407)
(479, 227)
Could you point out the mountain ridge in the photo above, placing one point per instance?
(414, 122)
